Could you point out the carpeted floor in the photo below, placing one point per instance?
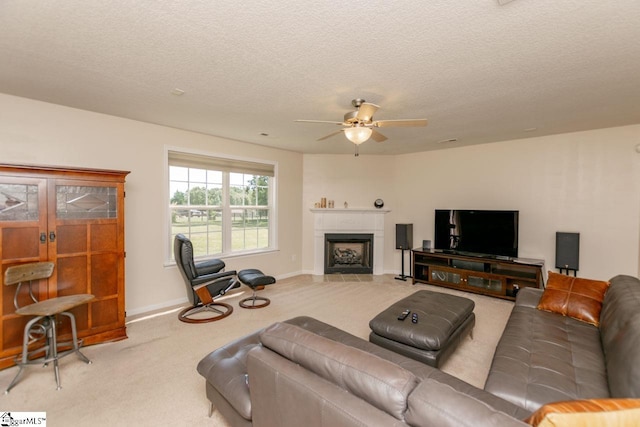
(150, 379)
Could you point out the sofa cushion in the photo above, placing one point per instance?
(545, 357)
(419, 369)
(593, 412)
(620, 334)
(377, 381)
(574, 297)
(435, 404)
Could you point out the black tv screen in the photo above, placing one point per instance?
(482, 232)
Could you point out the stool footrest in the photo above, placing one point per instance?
(45, 359)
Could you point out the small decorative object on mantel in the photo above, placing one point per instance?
(346, 205)
(378, 203)
(324, 203)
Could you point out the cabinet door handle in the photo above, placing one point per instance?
(52, 236)
(43, 237)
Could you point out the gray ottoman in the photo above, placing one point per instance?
(442, 321)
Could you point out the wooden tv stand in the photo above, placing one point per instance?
(499, 277)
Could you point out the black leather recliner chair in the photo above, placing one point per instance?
(205, 281)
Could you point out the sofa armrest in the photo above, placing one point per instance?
(437, 404)
(529, 297)
(225, 369)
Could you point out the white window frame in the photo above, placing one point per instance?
(227, 252)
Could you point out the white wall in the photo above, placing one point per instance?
(359, 181)
(586, 182)
(40, 133)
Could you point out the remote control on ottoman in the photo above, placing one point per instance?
(404, 314)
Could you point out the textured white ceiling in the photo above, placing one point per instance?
(478, 70)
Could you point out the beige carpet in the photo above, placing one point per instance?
(150, 379)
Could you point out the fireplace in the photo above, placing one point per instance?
(348, 253)
(348, 221)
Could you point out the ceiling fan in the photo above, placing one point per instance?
(359, 124)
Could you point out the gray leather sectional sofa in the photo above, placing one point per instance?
(544, 357)
(305, 372)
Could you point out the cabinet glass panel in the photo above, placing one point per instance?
(18, 202)
(493, 285)
(85, 202)
(445, 276)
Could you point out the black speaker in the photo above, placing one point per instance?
(567, 250)
(404, 236)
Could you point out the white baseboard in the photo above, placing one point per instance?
(156, 307)
(182, 301)
(287, 275)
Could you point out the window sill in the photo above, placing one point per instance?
(172, 263)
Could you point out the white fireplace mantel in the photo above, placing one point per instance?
(352, 220)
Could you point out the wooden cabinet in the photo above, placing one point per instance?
(74, 218)
(492, 276)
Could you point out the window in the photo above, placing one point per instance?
(224, 206)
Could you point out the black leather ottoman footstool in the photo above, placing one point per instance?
(256, 280)
(442, 321)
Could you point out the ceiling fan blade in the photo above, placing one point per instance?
(377, 136)
(330, 135)
(320, 121)
(366, 111)
(400, 123)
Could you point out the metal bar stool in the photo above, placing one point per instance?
(43, 325)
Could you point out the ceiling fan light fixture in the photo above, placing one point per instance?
(358, 134)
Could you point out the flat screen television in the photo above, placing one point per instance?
(480, 232)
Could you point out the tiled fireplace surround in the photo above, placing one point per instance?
(351, 221)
